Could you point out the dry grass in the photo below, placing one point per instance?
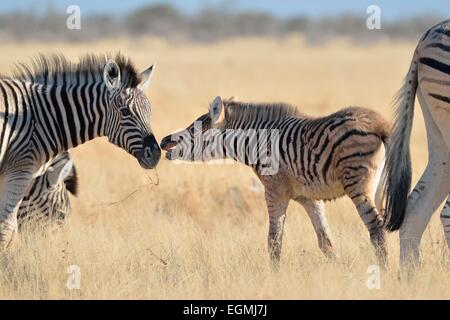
(201, 233)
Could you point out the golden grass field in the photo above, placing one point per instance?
(201, 232)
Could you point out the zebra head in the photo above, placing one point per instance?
(199, 139)
(128, 115)
(47, 198)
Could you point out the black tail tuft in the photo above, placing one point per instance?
(398, 197)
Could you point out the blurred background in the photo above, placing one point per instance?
(213, 20)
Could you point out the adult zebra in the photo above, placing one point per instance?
(55, 105)
(296, 157)
(47, 200)
(429, 77)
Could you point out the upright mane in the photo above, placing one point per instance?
(56, 69)
(236, 110)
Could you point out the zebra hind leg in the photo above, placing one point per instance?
(423, 201)
(316, 212)
(374, 223)
(428, 194)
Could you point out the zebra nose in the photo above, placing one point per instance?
(151, 149)
(151, 153)
(147, 152)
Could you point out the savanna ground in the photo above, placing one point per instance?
(201, 232)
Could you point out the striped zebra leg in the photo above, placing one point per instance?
(316, 212)
(427, 195)
(14, 186)
(374, 223)
(445, 219)
(276, 206)
(361, 186)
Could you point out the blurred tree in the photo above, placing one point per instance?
(161, 20)
(210, 24)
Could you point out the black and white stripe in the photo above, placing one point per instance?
(445, 219)
(47, 199)
(55, 105)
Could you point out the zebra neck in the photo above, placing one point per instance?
(248, 144)
(69, 115)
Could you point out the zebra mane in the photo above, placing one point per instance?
(235, 110)
(54, 68)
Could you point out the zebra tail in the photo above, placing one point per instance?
(397, 170)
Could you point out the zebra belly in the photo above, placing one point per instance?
(318, 191)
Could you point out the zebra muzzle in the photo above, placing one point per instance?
(168, 145)
(151, 153)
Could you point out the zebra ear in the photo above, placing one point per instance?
(216, 110)
(111, 75)
(145, 78)
(60, 173)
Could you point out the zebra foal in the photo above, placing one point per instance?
(47, 200)
(54, 105)
(311, 160)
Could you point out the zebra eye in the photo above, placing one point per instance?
(125, 112)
